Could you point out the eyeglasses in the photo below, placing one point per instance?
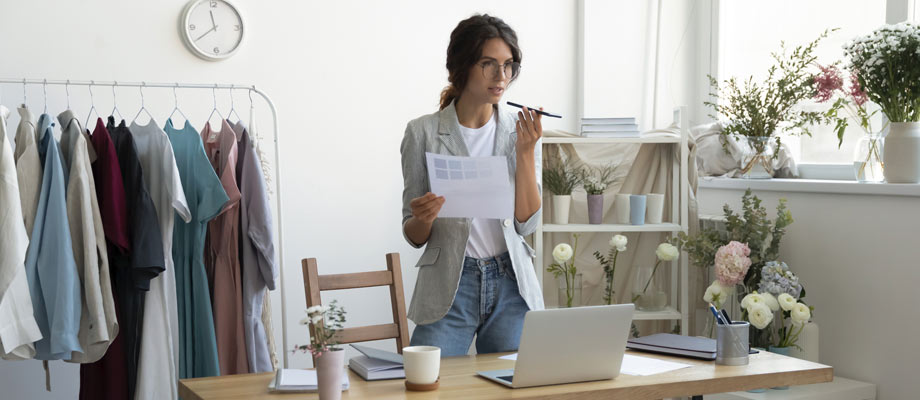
(490, 69)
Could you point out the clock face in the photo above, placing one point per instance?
(212, 29)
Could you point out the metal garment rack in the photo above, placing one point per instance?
(215, 86)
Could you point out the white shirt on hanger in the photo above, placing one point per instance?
(158, 369)
(18, 329)
(486, 237)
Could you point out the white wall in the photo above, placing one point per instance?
(346, 77)
(856, 256)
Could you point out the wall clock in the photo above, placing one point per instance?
(212, 29)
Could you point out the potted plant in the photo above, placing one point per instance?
(563, 266)
(328, 357)
(885, 63)
(776, 308)
(617, 245)
(760, 111)
(595, 181)
(646, 295)
(867, 160)
(560, 178)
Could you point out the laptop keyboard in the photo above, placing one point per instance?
(506, 378)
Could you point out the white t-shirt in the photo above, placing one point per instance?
(486, 237)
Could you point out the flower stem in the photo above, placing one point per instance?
(651, 276)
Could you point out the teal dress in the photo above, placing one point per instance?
(206, 197)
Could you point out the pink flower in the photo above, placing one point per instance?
(827, 82)
(856, 91)
(732, 263)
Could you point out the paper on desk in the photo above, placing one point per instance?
(473, 187)
(643, 366)
(635, 365)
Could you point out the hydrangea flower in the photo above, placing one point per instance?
(776, 279)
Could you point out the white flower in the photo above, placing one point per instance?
(786, 301)
(618, 241)
(305, 321)
(770, 301)
(318, 309)
(760, 315)
(562, 253)
(716, 294)
(316, 318)
(751, 300)
(800, 314)
(667, 252)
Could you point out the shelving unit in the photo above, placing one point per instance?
(679, 219)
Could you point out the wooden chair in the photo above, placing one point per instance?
(392, 277)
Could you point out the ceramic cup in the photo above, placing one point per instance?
(422, 364)
(654, 205)
(621, 204)
(637, 209)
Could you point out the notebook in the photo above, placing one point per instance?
(376, 364)
(678, 345)
(298, 381)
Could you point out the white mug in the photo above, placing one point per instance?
(654, 208)
(422, 364)
(621, 204)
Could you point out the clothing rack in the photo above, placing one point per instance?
(251, 89)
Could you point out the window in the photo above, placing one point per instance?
(749, 31)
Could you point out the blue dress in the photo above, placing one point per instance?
(206, 197)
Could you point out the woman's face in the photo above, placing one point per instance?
(487, 80)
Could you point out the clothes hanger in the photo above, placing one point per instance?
(92, 107)
(232, 107)
(24, 98)
(215, 110)
(143, 108)
(115, 104)
(67, 89)
(176, 108)
(45, 93)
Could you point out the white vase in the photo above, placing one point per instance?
(902, 153)
(561, 206)
(330, 368)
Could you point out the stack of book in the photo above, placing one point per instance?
(609, 127)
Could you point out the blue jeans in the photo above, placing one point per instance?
(487, 305)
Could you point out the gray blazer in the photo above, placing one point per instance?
(441, 264)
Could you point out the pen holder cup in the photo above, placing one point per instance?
(732, 343)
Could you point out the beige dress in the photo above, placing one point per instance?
(222, 256)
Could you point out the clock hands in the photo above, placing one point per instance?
(212, 20)
(206, 33)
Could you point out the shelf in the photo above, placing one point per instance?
(596, 140)
(668, 313)
(611, 228)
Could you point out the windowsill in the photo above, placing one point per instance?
(812, 186)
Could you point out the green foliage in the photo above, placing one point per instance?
(763, 109)
(610, 266)
(561, 177)
(595, 180)
(752, 226)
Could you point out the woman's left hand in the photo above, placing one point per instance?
(529, 130)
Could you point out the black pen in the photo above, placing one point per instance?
(534, 110)
(725, 315)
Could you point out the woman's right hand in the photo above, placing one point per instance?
(426, 208)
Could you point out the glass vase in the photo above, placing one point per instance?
(867, 159)
(648, 289)
(569, 289)
(758, 163)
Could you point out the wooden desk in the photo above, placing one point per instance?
(459, 381)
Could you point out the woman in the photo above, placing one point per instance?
(476, 275)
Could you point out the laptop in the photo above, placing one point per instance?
(568, 345)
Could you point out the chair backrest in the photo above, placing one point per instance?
(392, 277)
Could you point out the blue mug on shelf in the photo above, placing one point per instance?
(637, 209)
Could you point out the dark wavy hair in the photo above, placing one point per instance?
(465, 49)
